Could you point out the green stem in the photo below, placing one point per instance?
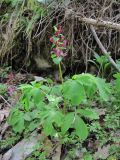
(61, 77)
(60, 72)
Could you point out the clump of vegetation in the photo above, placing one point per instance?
(80, 113)
(64, 112)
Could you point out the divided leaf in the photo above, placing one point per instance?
(74, 91)
(81, 128)
(117, 82)
(92, 84)
(67, 122)
(89, 113)
(17, 121)
(103, 88)
(88, 81)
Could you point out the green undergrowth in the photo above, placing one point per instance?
(82, 113)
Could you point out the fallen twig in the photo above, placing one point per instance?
(5, 101)
(99, 23)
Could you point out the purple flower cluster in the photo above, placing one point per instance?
(59, 43)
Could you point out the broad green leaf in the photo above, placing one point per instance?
(15, 115)
(117, 82)
(67, 122)
(74, 92)
(103, 88)
(35, 114)
(84, 78)
(25, 86)
(37, 95)
(54, 99)
(89, 113)
(27, 116)
(58, 118)
(36, 84)
(57, 60)
(88, 81)
(45, 89)
(94, 83)
(81, 128)
(19, 126)
(87, 157)
(33, 125)
(56, 90)
(48, 127)
(16, 120)
(41, 105)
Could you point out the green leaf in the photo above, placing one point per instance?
(93, 84)
(103, 88)
(33, 125)
(81, 128)
(26, 103)
(50, 117)
(55, 28)
(53, 55)
(56, 90)
(16, 120)
(88, 81)
(74, 92)
(67, 122)
(19, 126)
(53, 45)
(57, 60)
(88, 157)
(45, 89)
(117, 82)
(54, 99)
(58, 118)
(89, 113)
(48, 127)
(37, 95)
(25, 86)
(27, 116)
(84, 78)
(40, 105)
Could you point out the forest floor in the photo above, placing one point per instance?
(103, 141)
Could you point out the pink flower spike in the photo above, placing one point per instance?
(58, 52)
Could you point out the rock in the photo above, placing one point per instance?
(38, 79)
(23, 149)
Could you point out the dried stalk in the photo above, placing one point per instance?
(99, 23)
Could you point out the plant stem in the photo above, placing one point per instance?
(61, 77)
(60, 72)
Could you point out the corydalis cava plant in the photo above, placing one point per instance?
(59, 45)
